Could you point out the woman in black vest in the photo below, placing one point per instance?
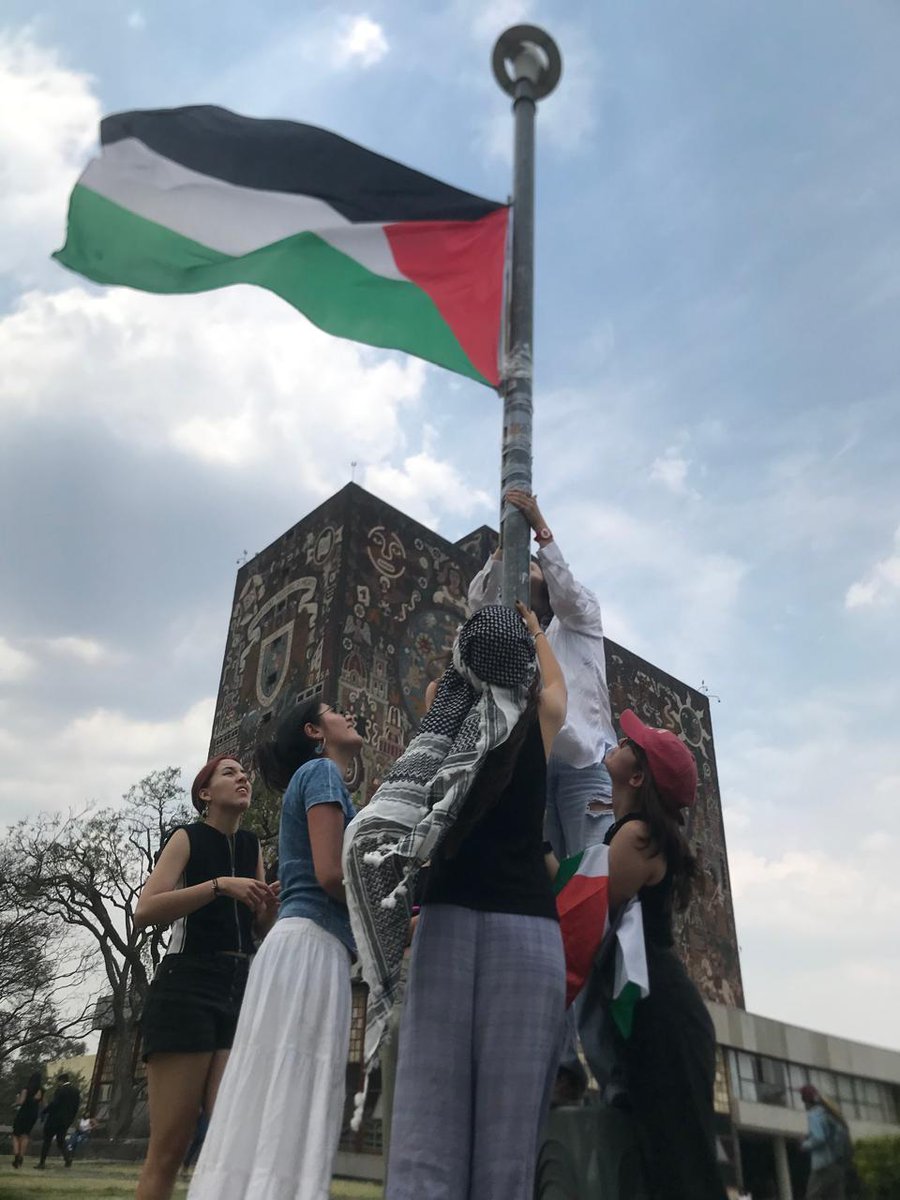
(209, 885)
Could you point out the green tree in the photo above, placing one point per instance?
(878, 1162)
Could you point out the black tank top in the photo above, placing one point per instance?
(655, 898)
(224, 924)
(499, 866)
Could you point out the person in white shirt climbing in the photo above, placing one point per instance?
(579, 792)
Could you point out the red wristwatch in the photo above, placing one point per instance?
(543, 535)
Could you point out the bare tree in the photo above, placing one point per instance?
(86, 870)
(39, 983)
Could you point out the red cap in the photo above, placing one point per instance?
(672, 765)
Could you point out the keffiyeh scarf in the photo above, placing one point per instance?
(477, 704)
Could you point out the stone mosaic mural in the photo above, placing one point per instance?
(358, 603)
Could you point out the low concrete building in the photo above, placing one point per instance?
(763, 1064)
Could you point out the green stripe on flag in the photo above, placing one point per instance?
(567, 868)
(111, 245)
(622, 1008)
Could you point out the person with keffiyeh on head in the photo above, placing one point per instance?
(485, 1001)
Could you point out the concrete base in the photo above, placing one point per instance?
(359, 1166)
(589, 1153)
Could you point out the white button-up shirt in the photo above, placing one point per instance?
(576, 637)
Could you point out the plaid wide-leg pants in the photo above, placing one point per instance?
(479, 1045)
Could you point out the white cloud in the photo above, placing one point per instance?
(360, 40)
(48, 122)
(234, 377)
(811, 792)
(424, 485)
(489, 18)
(646, 557)
(85, 650)
(880, 585)
(97, 756)
(15, 665)
(671, 470)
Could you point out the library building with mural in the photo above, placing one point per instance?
(360, 604)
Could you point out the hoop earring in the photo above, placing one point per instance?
(320, 747)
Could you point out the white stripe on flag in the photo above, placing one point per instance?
(224, 216)
(594, 862)
(631, 954)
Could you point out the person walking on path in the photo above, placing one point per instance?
(669, 1059)
(579, 792)
(58, 1116)
(275, 1129)
(209, 885)
(828, 1145)
(28, 1104)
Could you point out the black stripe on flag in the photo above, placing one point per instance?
(284, 156)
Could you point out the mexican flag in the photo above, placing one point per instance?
(582, 902)
(190, 199)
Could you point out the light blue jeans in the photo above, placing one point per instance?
(568, 825)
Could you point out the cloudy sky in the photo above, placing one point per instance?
(717, 388)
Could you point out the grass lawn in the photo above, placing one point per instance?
(114, 1181)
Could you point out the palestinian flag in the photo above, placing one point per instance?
(189, 199)
(582, 902)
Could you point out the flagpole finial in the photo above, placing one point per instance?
(525, 53)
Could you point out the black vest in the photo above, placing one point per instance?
(499, 866)
(224, 924)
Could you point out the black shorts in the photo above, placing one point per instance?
(193, 1004)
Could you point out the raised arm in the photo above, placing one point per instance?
(573, 604)
(553, 697)
(161, 901)
(485, 587)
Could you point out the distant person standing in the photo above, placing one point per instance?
(58, 1116)
(579, 791)
(828, 1145)
(28, 1104)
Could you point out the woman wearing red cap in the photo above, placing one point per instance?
(669, 1060)
(209, 885)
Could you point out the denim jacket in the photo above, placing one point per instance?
(825, 1140)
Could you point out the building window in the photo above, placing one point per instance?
(720, 1093)
(759, 1079)
(798, 1077)
(825, 1082)
(846, 1097)
(763, 1080)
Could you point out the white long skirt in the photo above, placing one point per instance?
(277, 1119)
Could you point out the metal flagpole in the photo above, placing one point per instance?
(527, 65)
